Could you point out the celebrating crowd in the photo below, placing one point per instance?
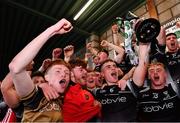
(97, 88)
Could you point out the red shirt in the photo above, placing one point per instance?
(79, 105)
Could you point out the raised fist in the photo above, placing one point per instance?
(69, 51)
(104, 43)
(62, 26)
(56, 53)
(89, 45)
(46, 63)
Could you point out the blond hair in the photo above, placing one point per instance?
(156, 64)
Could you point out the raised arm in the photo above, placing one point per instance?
(118, 49)
(21, 79)
(68, 52)
(129, 74)
(56, 53)
(161, 37)
(116, 35)
(141, 70)
(91, 49)
(44, 65)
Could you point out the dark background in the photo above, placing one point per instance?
(23, 20)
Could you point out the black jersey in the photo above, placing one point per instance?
(158, 105)
(173, 64)
(117, 104)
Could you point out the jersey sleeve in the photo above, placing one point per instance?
(32, 100)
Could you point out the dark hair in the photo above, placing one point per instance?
(90, 70)
(108, 60)
(58, 62)
(37, 73)
(94, 56)
(171, 34)
(105, 51)
(78, 62)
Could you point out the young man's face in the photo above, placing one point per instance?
(58, 77)
(38, 80)
(98, 79)
(172, 43)
(109, 71)
(157, 75)
(96, 60)
(80, 75)
(90, 83)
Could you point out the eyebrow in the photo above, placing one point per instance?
(155, 68)
(110, 65)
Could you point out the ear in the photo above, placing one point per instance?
(46, 77)
(102, 75)
(72, 77)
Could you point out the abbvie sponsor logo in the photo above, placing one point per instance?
(158, 107)
(116, 100)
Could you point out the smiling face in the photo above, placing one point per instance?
(157, 75)
(172, 43)
(109, 71)
(90, 83)
(58, 76)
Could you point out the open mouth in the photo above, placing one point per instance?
(63, 81)
(91, 81)
(172, 44)
(156, 78)
(114, 74)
